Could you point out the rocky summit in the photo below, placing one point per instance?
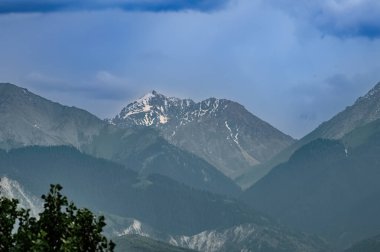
(220, 131)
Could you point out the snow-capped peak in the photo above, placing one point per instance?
(151, 109)
(155, 109)
(146, 98)
(134, 228)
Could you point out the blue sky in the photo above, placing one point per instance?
(293, 65)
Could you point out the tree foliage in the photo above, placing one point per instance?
(61, 226)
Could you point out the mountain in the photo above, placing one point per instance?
(166, 208)
(28, 119)
(368, 245)
(366, 109)
(220, 131)
(251, 238)
(328, 187)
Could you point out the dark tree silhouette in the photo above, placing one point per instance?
(61, 226)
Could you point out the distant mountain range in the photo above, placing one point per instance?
(220, 131)
(226, 136)
(33, 120)
(162, 167)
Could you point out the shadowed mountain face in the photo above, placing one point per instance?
(109, 187)
(366, 109)
(222, 132)
(328, 187)
(145, 152)
(28, 119)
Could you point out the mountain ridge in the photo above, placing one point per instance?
(364, 110)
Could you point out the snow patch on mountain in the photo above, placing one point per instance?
(233, 136)
(248, 237)
(146, 98)
(215, 240)
(163, 119)
(134, 228)
(140, 106)
(209, 241)
(157, 109)
(151, 109)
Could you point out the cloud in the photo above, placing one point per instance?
(103, 86)
(103, 93)
(44, 6)
(341, 18)
(320, 101)
(249, 52)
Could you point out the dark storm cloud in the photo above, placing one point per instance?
(43, 6)
(344, 19)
